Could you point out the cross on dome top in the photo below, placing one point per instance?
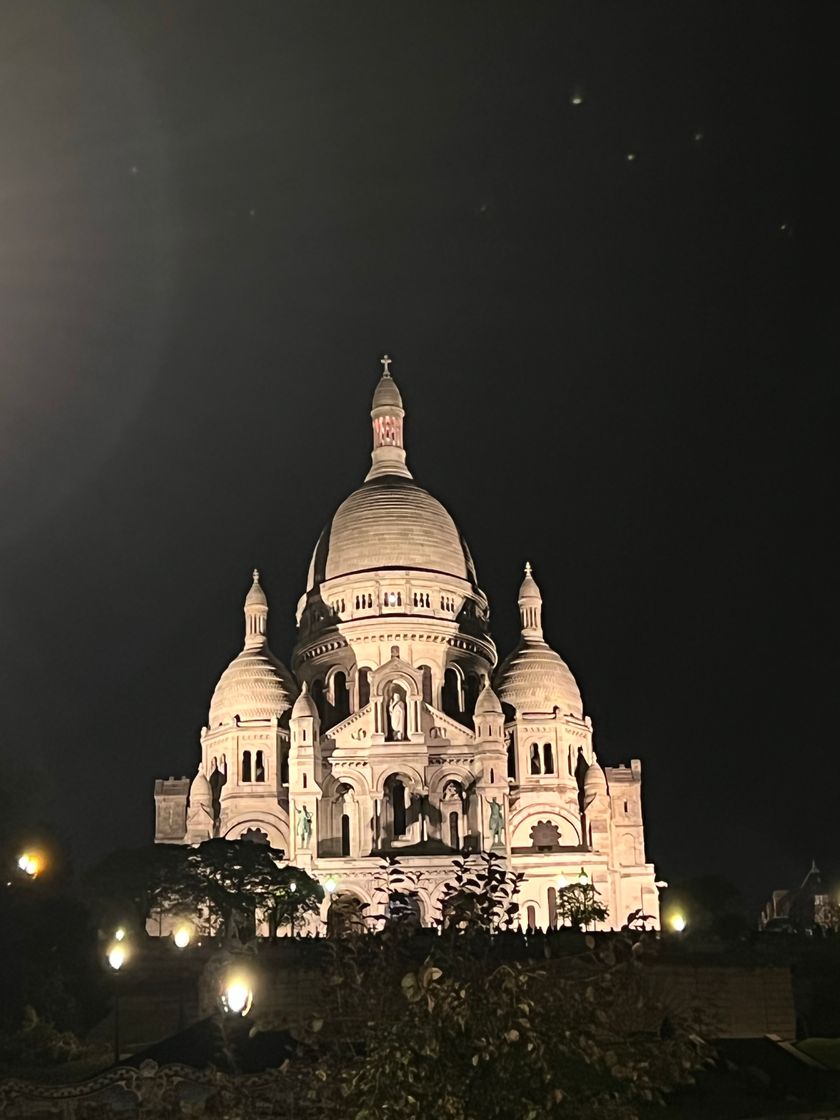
(386, 363)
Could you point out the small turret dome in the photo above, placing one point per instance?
(200, 791)
(256, 596)
(534, 678)
(488, 702)
(255, 686)
(304, 705)
(595, 780)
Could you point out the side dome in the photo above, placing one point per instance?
(534, 678)
(390, 522)
(255, 686)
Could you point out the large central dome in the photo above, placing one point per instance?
(390, 522)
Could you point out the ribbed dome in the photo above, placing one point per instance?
(254, 686)
(391, 522)
(200, 791)
(536, 679)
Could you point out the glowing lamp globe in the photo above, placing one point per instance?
(117, 957)
(237, 997)
(182, 937)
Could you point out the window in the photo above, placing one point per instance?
(548, 759)
(451, 693)
(398, 807)
(246, 766)
(535, 758)
(364, 687)
(454, 831)
(341, 697)
(259, 767)
(552, 907)
(427, 683)
(345, 835)
(511, 760)
(531, 915)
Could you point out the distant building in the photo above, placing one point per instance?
(805, 907)
(387, 735)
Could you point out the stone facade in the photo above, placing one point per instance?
(396, 731)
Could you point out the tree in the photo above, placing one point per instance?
(466, 1031)
(577, 904)
(129, 884)
(294, 895)
(233, 879)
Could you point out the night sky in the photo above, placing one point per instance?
(214, 220)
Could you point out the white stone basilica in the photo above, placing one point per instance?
(387, 735)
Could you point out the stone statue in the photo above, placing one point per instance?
(396, 712)
(497, 821)
(304, 827)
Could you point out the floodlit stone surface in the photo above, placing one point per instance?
(395, 732)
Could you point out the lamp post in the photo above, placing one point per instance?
(181, 939)
(117, 956)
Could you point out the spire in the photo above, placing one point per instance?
(387, 415)
(530, 607)
(256, 614)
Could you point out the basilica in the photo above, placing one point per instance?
(395, 730)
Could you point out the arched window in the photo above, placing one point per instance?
(259, 767)
(284, 768)
(398, 807)
(455, 831)
(246, 766)
(548, 759)
(552, 908)
(531, 917)
(451, 693)
(363, 685)
(341, 697)
(345, 834)
(535, 758)
(427, 683)
(511, 759)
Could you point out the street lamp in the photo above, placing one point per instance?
(182, 937)
(677, 922)
(117, 956)
(237, 996)
(562, 882)
(30, 863)
(330, 884)
(583, 878)
(119, 934)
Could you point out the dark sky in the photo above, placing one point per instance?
(214, 219)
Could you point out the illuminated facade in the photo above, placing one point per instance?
(396, 731)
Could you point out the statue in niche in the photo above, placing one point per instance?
(497, 823)
(303, 826)
(396, 716)
(452, 791)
